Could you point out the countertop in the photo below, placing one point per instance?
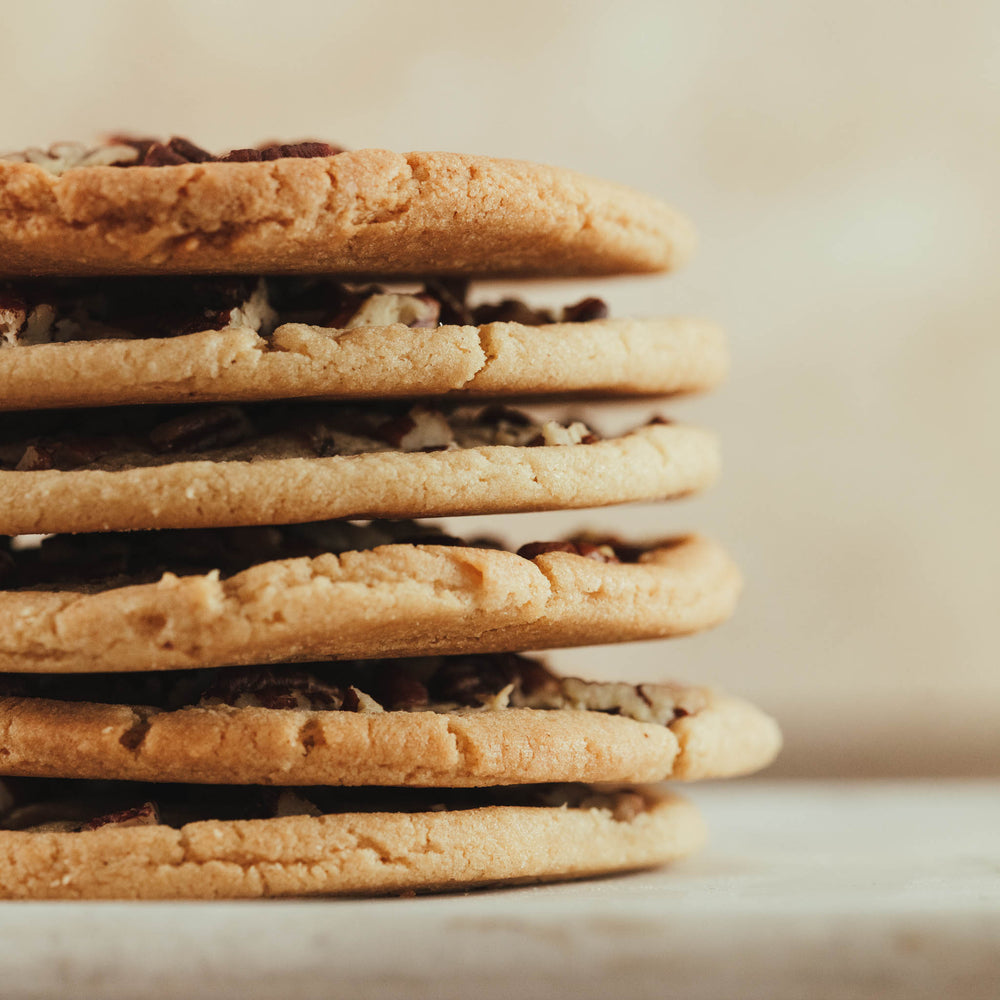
(807, 889)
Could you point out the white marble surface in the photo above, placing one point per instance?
(829, 890)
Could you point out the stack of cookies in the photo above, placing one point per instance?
(234, 666)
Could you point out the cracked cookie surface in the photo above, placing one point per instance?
(95, 607)
(112, 342)
(438, 722)
(389, 847)
(364, 212)
(227, 466)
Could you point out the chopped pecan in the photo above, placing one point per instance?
(343, 307)
(35, 458)
(145, 815)
(585, 310)
(279, 151)
(469, 680)
(202, 430)
(246, 155)
(399, 690)
(427, 315)
(261, 687)
(599, 552)
(13, 316)
(298, 150)
(393, 430)
(511, 311)
(387, 308)
(497, 413)
(153, 153)
(477, 680)
(159, 155)
(188, 151)
(451, 293)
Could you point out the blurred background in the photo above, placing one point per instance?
(840, 160)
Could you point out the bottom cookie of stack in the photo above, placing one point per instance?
(213, 842)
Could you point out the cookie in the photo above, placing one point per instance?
(439, 722)
(365, 212)
(93, 603)
(442, 841)
(106, 342)
(619, 357)
(124, 468)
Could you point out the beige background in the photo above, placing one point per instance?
(841, 162)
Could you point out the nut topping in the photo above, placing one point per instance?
(132, 151)
(145, 815)
(262, 687)
(41, 311)
(67, 805)
(202, 430)
(99, 561)
(471, 683)
(136, 436)
(585, 311)
(599, 552)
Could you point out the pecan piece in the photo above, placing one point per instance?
(159, 155)
(242, 156)
(298, 150)
(451, 294)
(589, 550)
(511, 311)
(13, 315)
(145, 815)
(188, 151)
(498, 413)
(259, 687)
(474, 680)
(202, 430)
(399, 690)
(598, 552)
(393, 430)
(36, 457)
(585, 310)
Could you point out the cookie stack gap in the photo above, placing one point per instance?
(233, 645)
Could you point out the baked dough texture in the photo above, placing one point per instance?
(42, 737)
(344, 854)
(611, 357)
(365, 212)
(652, 463)
(394, 600)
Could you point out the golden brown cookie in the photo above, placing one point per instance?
(115, 341)
(612, 357)
(440, 722)
(192, 472)
(393, 600)
(562, 833)
(365, 212)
